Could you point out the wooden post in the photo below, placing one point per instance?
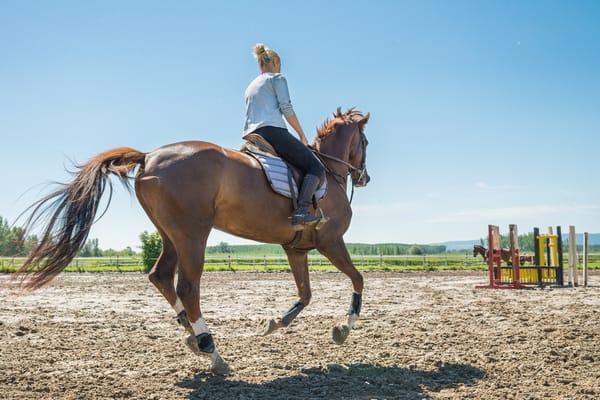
(585, 258)
(560, 276)
(537, 255)
(229, 261)
(573, 278)
(515, 254)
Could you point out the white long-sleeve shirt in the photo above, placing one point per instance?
(267, 101)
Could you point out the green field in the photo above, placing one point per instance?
(449, 261)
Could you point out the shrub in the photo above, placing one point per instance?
(151, 248)
(415, 251)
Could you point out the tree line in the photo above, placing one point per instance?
(14, 242)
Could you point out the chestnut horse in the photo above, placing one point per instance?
(189, 188)
(479, 250)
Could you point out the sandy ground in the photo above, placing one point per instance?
(421, 335)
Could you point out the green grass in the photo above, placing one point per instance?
(446, 262)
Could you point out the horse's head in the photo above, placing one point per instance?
(343, 137)
(358, 154)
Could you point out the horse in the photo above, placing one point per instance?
(479, 250)
(189, 188)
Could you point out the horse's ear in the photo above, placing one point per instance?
(363, 121)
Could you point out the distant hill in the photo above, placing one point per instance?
(593, 237)
(259, 250)
(457, 245)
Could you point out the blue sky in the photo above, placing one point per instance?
(482, 112)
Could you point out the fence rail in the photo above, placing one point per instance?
(438, 261)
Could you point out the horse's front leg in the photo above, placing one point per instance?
(339, 257)
(299, 263)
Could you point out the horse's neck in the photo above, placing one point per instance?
(337, 145)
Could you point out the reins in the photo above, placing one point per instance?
(335, 175)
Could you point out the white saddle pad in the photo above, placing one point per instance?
(276, 171)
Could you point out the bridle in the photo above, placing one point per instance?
(341, 178)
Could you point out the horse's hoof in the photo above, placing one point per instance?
(340, 333)
(220, 367)
(192, 344)
(267, 327)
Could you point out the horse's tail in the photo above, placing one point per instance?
(69, 212)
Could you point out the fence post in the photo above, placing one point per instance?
(585, 258)
(229, 261)
(573, 278)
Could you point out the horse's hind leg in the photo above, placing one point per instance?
(190, 253)
(299, 263)
(162, 275)
(339, 257)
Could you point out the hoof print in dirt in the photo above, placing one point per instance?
(340, 333)
(267, 327)
(220, 368)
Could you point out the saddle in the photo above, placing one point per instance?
(284, 179)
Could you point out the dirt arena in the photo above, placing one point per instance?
(421, 335)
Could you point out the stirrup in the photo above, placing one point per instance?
(317, 221)
(300, 226)
(322, 220)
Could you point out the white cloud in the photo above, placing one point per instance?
(433, 195)
(486, 186)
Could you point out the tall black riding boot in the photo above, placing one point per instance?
(302, 216)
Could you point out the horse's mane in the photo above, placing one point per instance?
(339, 118)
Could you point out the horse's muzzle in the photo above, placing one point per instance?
(362, 180)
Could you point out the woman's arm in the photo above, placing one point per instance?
(285, 106)
(293, 121)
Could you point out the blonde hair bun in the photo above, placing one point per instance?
(259, 49)
(264, 55)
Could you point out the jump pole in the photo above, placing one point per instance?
(573, 275)
(494, 258)
(537, 257)
(585, 258)
(560, 276)
(515, 253)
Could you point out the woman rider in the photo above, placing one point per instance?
(267, 103)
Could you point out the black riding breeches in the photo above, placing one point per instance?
(292, 150)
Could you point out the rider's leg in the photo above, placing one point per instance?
(300, 156)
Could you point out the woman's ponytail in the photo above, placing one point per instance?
(264, 55)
